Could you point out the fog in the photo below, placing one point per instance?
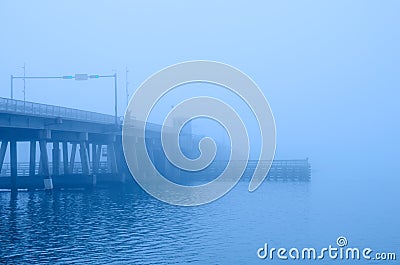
(330, 70)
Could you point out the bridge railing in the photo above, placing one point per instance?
(44, 110)
(23, 168)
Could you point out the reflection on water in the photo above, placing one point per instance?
(125, 225)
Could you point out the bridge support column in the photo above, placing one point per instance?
(150, 152)
(65, 157)
(44, 159)
(3, 150)
(88, 153)
(167, 167)
(159, 160)
(111, 159)
(119, 160)
(32, 158)
(84, 158)
(72, 159)
(40, 164)
(94, 157)
(98, 156)
(139, 150)
(14, 164)
(96, 152)
(135, 160)
(56, 158)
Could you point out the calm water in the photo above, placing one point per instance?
(125, 225)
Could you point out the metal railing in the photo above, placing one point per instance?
(43, 110)
(23, 168)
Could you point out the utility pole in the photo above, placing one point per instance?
(12, 86)
(127, 86)
(115, 99)
(24, 67)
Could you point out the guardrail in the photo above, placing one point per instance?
(23, 168)
(43, 110)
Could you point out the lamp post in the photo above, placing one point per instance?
(77, 77)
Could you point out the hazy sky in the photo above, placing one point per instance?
(330, 69)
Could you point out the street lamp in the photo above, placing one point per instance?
(77, 77)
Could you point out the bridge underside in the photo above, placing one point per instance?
(60, 151)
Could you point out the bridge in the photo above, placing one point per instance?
(85, 148)
(93, 139)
